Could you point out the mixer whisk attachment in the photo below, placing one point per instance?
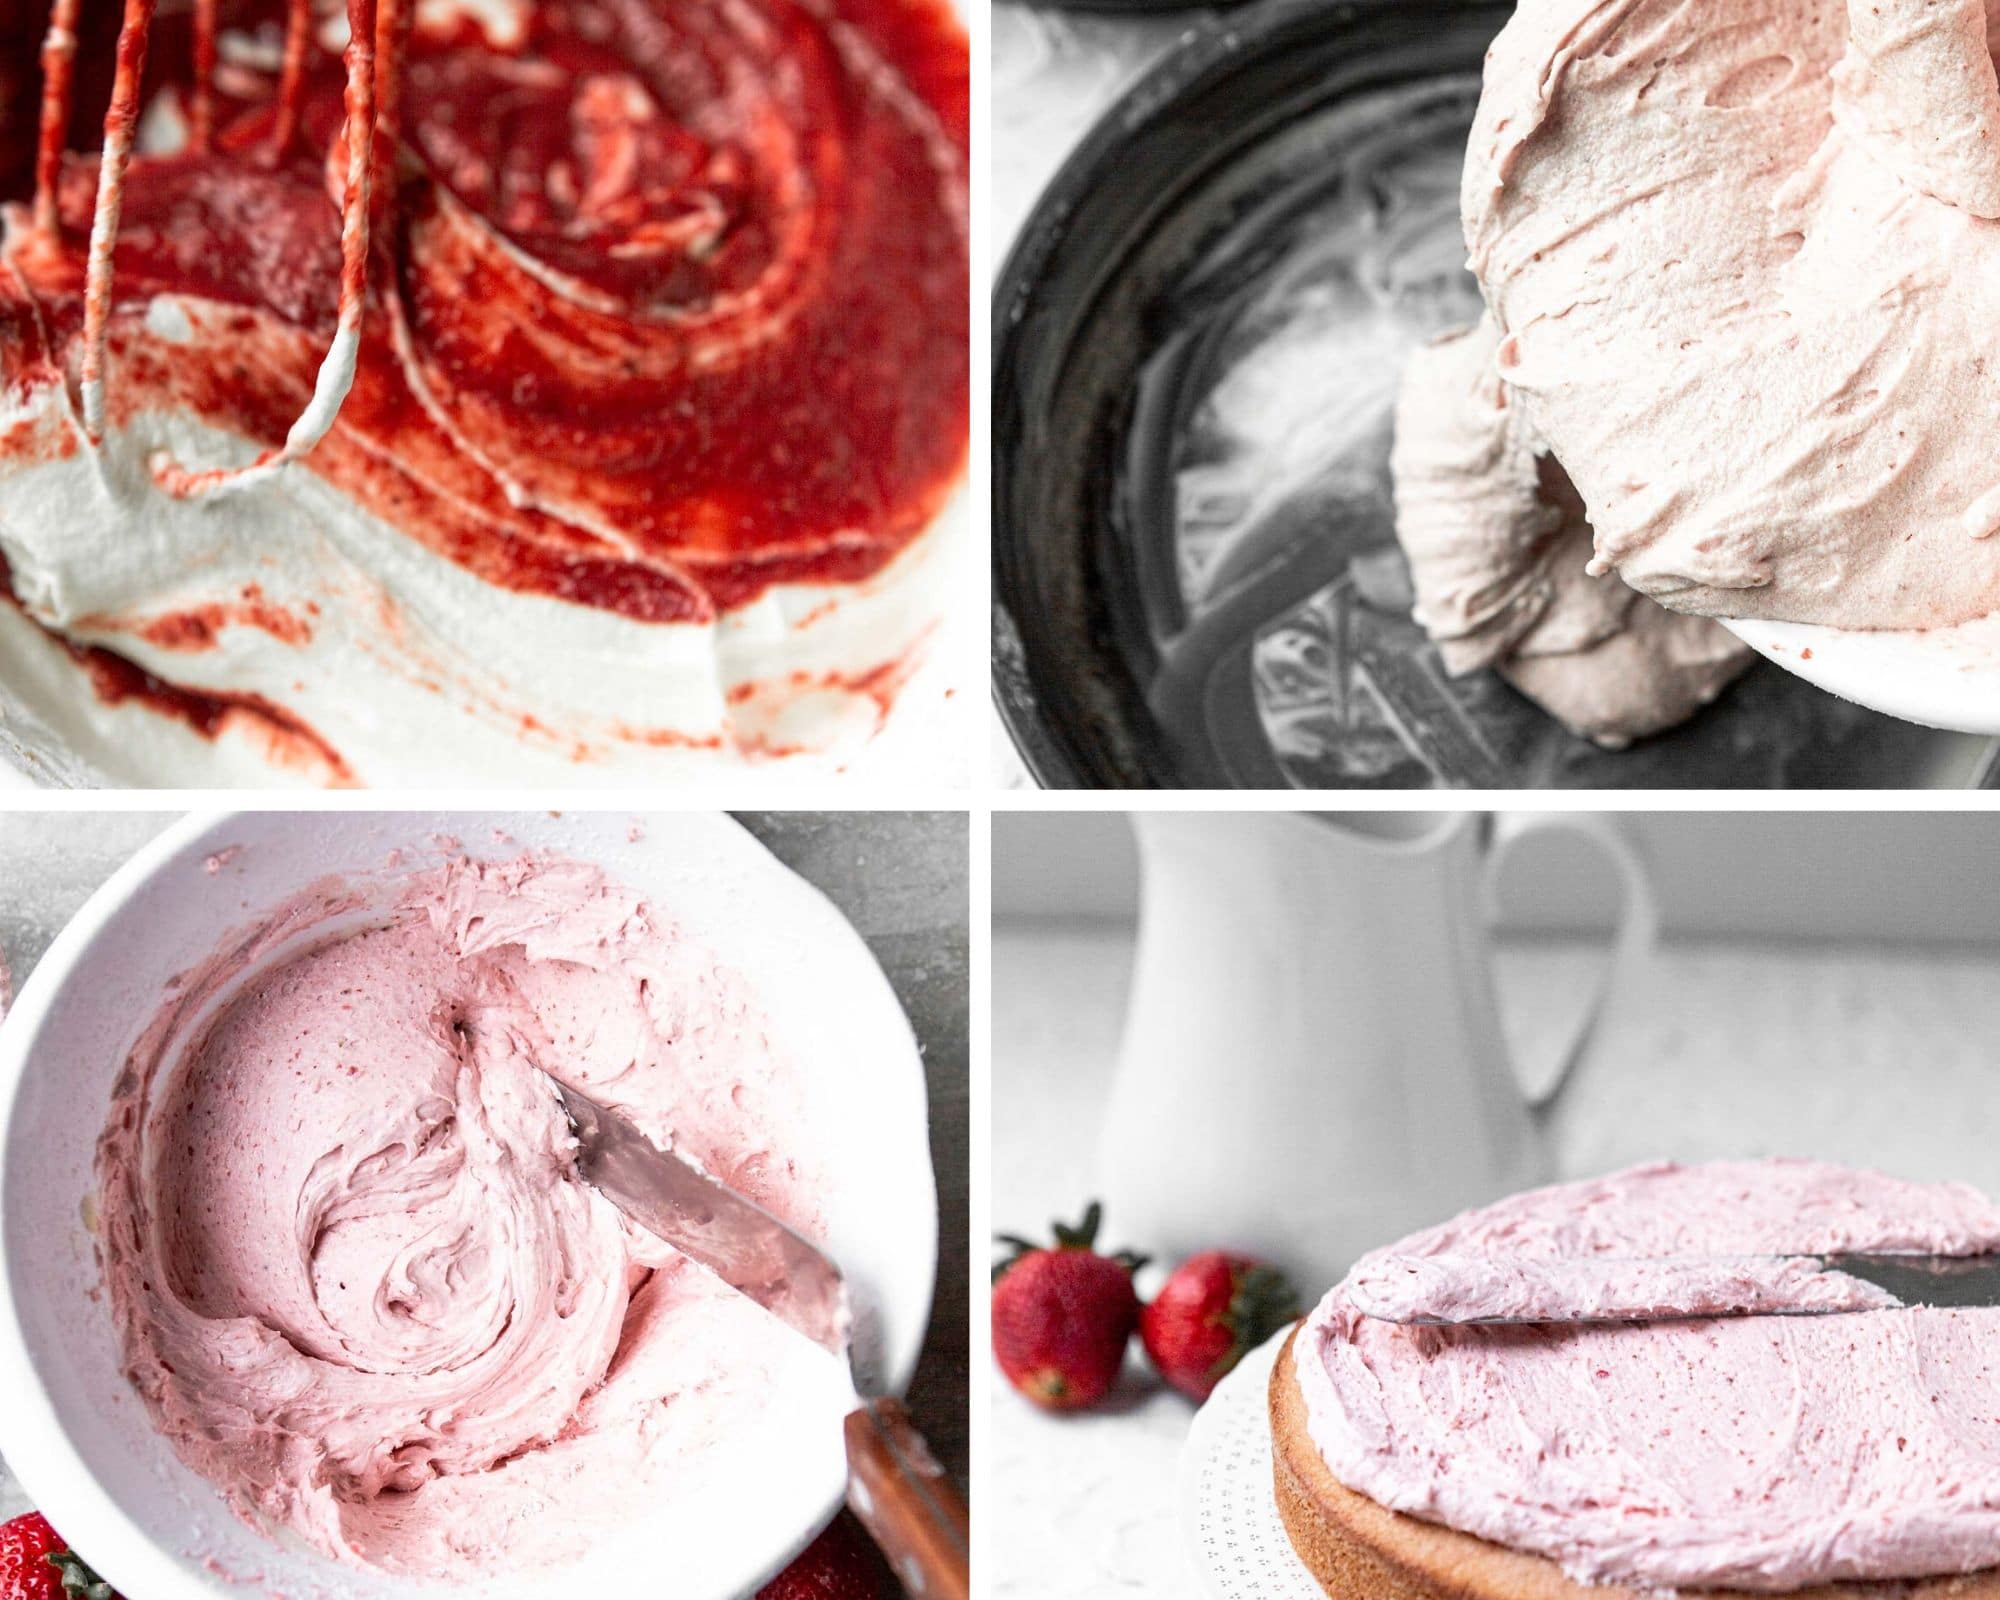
(58, 73)
(292, 75)
(368, 73)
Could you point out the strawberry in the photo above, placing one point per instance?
(1063, 1316)
(1213, 1309)
(35, 1564)
(841, 1564)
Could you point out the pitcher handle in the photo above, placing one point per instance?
(1638, 924)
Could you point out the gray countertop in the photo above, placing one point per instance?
(900, 878)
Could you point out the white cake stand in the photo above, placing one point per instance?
(1229, 1517)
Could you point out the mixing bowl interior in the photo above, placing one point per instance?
(77, 1434)
(1199, 339)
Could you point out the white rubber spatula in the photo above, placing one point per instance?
(903, 1497)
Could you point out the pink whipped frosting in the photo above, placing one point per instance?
(1742, 281)
(1756, 1453)
(358, 1283)
(1498, 543)
(1466, 1288)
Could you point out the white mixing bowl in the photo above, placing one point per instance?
(77, 1434)
(1941, 677)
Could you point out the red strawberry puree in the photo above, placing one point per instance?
(575, 382)
(1764, 1453)
(358, 1284)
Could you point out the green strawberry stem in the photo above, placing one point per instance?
(77, 1578)
(1084, 1235)
(1081, 1237)
(1263, 1302)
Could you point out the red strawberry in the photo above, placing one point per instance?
(1214, 1309)
(841, 1564)
(35, 1564)
(1062, 1317)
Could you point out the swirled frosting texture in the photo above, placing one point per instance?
(358, 1283)
(1498, 544)
(1740, 259)
(1757, 1453)
(1461, 1288)
(662, 388)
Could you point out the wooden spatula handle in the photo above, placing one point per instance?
(908, 1504)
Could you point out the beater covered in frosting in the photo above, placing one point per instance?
(1765, 1453)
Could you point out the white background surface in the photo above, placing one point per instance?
(1857, 1050)
(1776, 873)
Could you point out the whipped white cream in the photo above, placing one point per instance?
(408, 666)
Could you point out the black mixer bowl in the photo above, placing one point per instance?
(1196, 345)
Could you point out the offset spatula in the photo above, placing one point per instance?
(895, 1486)
(1463, 1291)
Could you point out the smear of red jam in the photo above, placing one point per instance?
(880, 684)
(669, 301)
(287, 740)
(196, 628)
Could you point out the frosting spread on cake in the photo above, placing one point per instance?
(358, 1283)
(598, 421)
(1741, 261)
(1464, 1288)
(1764, 1453)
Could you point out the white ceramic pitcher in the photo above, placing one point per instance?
(1313, 1063)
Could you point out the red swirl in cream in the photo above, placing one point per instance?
(654, 308)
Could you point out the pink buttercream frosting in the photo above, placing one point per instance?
(358, 1283)
(1464, 1288)
(1498, 546)
(1741, 268)
(1764, 1453)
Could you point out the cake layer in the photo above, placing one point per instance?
(1765, 1454)
(1358, 1550)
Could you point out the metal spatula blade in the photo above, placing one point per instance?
(1949, 1281)
(739, 1241)
(1458, 1291)
(903, 1497)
